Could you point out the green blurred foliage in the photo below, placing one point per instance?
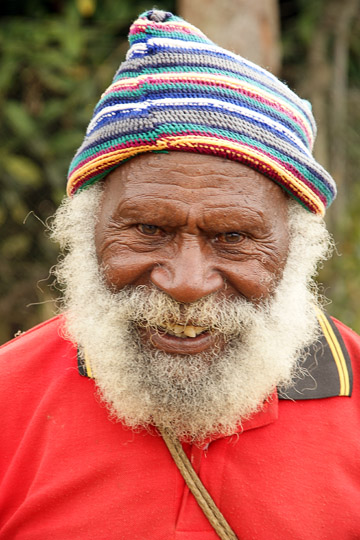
(303, 21)
(56, 59)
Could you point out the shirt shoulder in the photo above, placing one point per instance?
(43, 330)
(350, 337)
(31, 358)
(351, 341)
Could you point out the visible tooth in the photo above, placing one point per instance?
(177, 329)
(183, 331)
(190, 331)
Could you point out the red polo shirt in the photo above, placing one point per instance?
(67, 471)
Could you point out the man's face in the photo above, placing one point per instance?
(187, 286)
(191, 225)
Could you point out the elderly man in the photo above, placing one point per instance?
(193, 388)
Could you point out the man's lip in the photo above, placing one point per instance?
(178, 345)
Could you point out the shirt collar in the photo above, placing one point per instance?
(327, 370)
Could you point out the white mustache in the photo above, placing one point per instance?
(150, 307)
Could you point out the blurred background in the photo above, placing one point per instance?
(57, 56)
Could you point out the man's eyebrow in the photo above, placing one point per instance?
(233, 216)
(162, 211)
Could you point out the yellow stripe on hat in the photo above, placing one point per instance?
(112, 158)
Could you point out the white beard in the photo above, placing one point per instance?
(200, 394)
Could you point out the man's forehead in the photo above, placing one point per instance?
(184, 160)
(168, 185)
(180, 168)
(190, 170)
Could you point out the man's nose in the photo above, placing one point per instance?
(189, 275)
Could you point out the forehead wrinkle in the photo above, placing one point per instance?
(174, 180)
(159, 193)
(195, 162)
(199, 180)
(173, 175)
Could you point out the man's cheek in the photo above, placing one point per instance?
(123, 268)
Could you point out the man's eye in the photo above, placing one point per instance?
(149, 230)
(230, 237)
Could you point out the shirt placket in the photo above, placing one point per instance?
(191, 523)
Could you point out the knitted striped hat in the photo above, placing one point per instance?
(179, 91)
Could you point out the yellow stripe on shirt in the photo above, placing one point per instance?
(336, 352)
